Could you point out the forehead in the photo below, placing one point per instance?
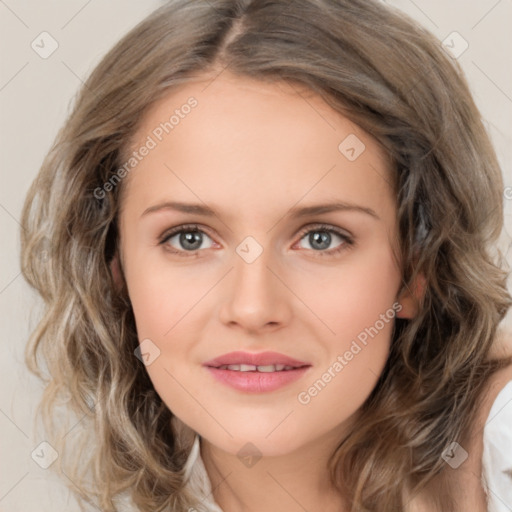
(231, 134)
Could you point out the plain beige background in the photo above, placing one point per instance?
(35, 94)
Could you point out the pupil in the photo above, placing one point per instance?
(321, 237)
(193, 238)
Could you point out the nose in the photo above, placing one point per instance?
(257, 298)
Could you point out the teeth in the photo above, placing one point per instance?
(268, 368)
(242, 367)
(252, 368)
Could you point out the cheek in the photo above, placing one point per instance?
(354, 295)
(162, 295)
(358, 304)
(165, 305)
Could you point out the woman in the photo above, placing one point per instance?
(367, 368)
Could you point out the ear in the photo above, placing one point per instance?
(117, 273)
(410, 298)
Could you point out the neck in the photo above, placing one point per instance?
(294, 482)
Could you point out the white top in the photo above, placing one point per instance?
(197, 480)
(497, 460)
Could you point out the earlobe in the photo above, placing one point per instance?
(410, 299)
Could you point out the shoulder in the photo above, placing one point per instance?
(492, 420)
(498, 381)
(465, 482)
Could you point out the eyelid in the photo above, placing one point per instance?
(182, 227)
(325, 227)
(343, 233)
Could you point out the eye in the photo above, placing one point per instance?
(189, 239)
(321, 237)
(185, 239)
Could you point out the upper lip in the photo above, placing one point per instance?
(260, 359)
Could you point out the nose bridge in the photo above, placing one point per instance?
(256, 296)
(253, 275)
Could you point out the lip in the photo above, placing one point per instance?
(257, 382)
(254, 381)
(256, 359)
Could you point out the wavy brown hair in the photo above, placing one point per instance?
(383, 71)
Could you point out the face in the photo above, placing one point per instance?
(253, 268)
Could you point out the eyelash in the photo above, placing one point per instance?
(347, 240)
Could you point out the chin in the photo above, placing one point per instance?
(257, 443)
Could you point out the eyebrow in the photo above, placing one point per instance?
(304, 211)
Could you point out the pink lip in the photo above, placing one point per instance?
(257, 382)
(260, 359)
(254, 381)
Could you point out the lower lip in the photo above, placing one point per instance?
(257, 382)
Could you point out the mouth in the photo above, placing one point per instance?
(256, 373)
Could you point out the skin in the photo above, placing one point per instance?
(251, 151)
